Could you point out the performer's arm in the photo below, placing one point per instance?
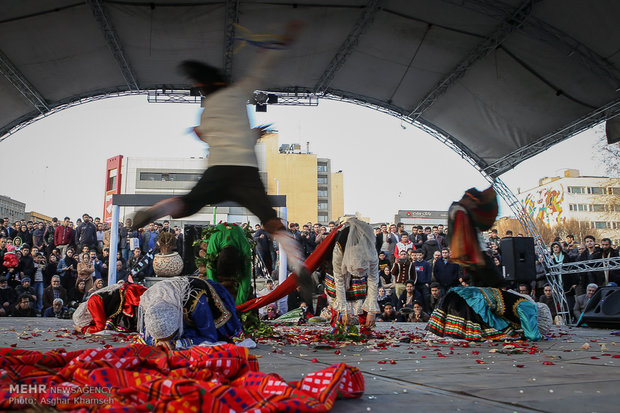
(341, 296)
(371, 306)
(267, 59)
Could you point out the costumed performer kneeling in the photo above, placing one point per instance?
(474, 313)
(353, 288)
(184, 311)
(227, 257)
(109, 308)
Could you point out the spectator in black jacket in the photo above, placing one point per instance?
(24, 307)
(445, 272)
(26, 289)
(86, 234)
(408, 297)
(433, 299)
(429, 247)
(8, 297)
(607, 251)
(26, 266)
(592, 252)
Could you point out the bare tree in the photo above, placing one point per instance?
(608, 155)
(576, 228)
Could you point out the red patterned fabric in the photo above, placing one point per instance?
(140, 378)
(311, 263)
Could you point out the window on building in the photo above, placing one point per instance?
(615, 225)
(600, 225)
(582, 207)
(170, 176)
(322, 205)
(322, 193)
(576, 190)
(614, 191)
(322, 217)
(572, 207)
(321, 168)
(598, 208)
(112, 179)
(322, 180)
(596, 190)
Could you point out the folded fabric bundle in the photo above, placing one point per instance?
(143, 378)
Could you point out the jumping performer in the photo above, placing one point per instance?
(232, 174)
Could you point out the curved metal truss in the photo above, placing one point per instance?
(307, 96)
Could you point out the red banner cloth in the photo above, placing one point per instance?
(141, 378)
(311, 263)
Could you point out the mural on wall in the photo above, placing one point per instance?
(546, 204)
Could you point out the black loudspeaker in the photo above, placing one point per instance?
(518, 259)
(191, 233)
(612, 130)
(603, 309)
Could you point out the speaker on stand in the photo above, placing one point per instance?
(603, 309)
(518, 259)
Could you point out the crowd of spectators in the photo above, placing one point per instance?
(58, 265)
(415, 268)
(48, 269)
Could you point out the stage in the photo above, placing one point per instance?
(577, 370)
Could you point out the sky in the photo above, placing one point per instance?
(58, 163)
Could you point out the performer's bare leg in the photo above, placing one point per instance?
(294, 254)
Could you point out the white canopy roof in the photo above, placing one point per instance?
(500, 80)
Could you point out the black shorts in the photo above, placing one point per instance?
(239, 184)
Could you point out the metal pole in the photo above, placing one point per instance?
(283, 269)
(113, 245)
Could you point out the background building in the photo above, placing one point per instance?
(425, 218)
(35, 216)
(313, 192)
(593, 201)
(11, 209)
(168, 176)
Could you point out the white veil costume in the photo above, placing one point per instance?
(358, 263)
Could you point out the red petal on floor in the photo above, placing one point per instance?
(548, 363)
(481, 362)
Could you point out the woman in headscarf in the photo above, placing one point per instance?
(569, 281)
(183, 311)
(353, 288)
